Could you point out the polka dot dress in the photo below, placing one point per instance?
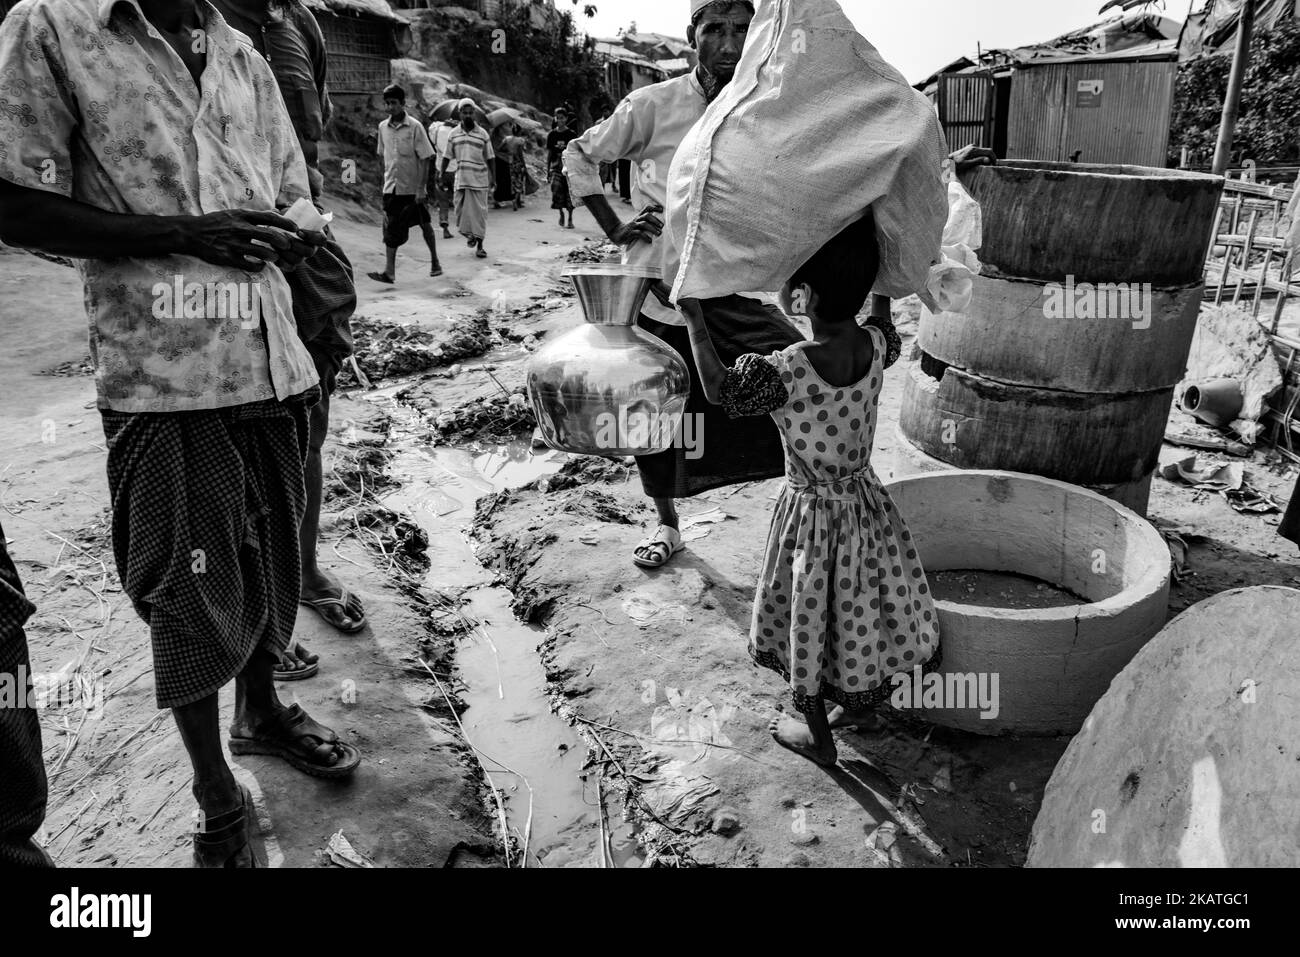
(842, 603)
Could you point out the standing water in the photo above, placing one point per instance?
(530, 755)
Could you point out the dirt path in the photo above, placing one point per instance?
(649, 667)
(119, 776)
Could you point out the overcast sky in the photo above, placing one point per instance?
(917, 36)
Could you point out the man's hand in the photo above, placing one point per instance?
(969, 157)
(647, 226)
(248, 239)
(422, 195)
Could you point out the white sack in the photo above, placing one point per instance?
(814, 129)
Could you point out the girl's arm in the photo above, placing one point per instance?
(712, 371)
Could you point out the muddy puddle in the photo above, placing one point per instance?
(530, 754)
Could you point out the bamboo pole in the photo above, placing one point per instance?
(1236, 80)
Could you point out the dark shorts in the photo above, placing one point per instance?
(23, 787)
(206, 507)
(401, 212)
(734, 451)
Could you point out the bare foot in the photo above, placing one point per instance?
(840, 717)
(797, 737)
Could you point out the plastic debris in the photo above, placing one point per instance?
(1229, 480)
(342, 854)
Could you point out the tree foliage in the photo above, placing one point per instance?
(561, 66)
(1268, 129)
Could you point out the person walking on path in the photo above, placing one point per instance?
(646, 129)
(206, 417)
(324, 295)
(405, 149)
(556, 142)
(514, 148)
(440, 134)
(470, 147)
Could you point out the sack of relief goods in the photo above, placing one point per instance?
(814, 129)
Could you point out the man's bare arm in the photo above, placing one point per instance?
(646, 226)
(242, 239)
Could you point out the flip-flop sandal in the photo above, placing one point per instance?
(310, 664)
(225, 835)
(662, 546)
(325, 606)
(296, 737)
(481, 254)
(381, 277)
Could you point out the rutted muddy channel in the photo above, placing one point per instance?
(545, 794)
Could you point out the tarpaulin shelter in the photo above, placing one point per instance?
(1213, 28)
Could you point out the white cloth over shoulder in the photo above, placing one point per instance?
(950, 285)
(814, 130)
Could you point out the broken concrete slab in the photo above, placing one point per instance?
(1191, 758)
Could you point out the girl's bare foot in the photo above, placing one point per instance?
(841, 717)
(797, 737)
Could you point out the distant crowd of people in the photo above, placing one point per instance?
(462, 166)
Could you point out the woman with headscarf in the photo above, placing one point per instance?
(476, 179)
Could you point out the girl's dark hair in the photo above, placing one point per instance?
(843, 271)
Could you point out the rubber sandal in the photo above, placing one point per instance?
(226, 835)
(320, 606)
(663, 545)
(310, 664)
(481, 254)
(295, 725)
(381, 277)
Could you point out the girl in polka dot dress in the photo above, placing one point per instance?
(842, 603)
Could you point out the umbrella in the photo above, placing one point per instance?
(446, 110)
(504, 115)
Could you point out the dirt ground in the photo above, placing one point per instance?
(649, 666)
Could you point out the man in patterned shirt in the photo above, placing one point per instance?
(148, 140)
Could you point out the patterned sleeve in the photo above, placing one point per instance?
(754, 386)
(38, 109)
(893, 341)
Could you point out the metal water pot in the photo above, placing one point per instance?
(609, 387)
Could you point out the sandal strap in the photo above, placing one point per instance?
(663, 535)
(294, 717)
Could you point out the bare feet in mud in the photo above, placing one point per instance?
(841, 717)
(796, 736)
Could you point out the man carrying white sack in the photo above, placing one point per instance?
(646, 129)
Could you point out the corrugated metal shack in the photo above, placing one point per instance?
(1106, 109)
(1102, 94)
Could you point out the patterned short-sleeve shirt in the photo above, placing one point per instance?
(96, 106)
